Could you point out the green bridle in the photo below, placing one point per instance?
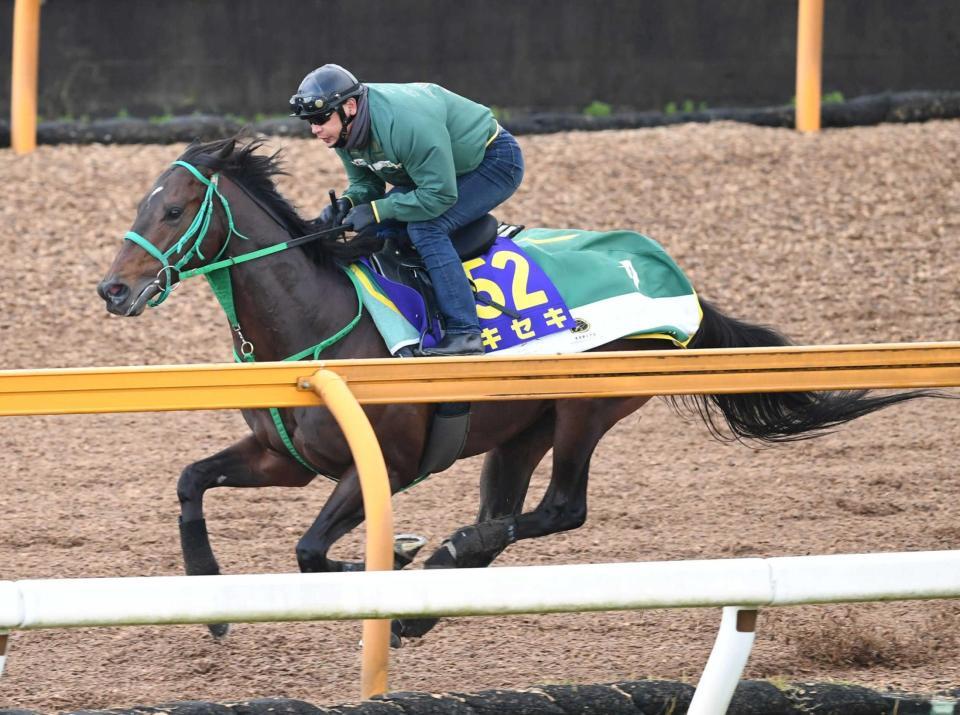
(217, 274)
(197, 230)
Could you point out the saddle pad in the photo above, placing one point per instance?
(574, 290)
(617, 283)
(503, 275)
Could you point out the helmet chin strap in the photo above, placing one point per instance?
(344, 127)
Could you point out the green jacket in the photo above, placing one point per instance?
(421, 135)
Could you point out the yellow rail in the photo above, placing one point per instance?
(809, 64)
(200, 387)
(23, 70)
(375, 490)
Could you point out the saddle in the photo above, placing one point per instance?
(399, 261)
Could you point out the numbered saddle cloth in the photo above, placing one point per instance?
(564, 291)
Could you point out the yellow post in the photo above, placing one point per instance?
(809, 60)
(378, 514)
(23, 94)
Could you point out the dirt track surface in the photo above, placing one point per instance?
(850, 236)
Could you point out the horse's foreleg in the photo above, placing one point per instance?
(244, 464)
(341, 513)
(503, 487)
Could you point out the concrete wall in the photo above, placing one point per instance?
(101, 58)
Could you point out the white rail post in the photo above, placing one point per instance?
(726, 662)
(4, 639)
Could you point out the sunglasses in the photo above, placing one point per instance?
(321, 118)
(300, 105)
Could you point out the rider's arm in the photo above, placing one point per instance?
(364, 185)
(425, 150)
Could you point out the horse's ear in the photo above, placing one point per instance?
(226, 150)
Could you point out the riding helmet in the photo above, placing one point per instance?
(323, 91)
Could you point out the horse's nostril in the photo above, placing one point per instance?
(113, 291)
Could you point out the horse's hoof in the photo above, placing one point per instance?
(405, 549)
(414, 627)
(219, 630)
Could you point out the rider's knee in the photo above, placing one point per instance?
(442, 225)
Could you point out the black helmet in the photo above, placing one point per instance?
(324, 90)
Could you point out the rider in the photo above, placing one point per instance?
(448, 159)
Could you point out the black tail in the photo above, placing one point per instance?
(774, 416)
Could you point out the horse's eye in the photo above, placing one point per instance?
(173, 213)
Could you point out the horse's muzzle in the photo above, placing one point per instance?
(118, 297)
(115, 293)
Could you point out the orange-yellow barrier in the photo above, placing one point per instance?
(660, 372)
(377, 512)
(809, 61)
(23, 90)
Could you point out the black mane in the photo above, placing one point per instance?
(255, 173)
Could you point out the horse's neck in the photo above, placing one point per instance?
(286, 302)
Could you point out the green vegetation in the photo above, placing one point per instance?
(597, 109)
(160, 118)
(687, 106)
(834, 97)
(122, 113)
(500, 113)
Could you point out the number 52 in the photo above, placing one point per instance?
(521, 298)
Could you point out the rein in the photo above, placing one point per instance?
(218, 277)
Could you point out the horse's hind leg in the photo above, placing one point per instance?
(244, 464)
(580, 426)
(503, 487)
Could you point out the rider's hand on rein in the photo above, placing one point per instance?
(360, 217)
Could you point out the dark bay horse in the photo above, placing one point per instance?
(219, 201)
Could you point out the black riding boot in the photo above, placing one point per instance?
(456, 344)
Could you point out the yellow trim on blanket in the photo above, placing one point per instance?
(658, 336)
(371, 289)
(666, 336)
(555, 239)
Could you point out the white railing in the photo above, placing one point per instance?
(748, 584)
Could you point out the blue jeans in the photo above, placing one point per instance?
(478, 193)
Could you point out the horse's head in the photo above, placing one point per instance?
(184, 224)
(178, 226)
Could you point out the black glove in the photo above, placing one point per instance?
(360, 217)
(330, 217)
